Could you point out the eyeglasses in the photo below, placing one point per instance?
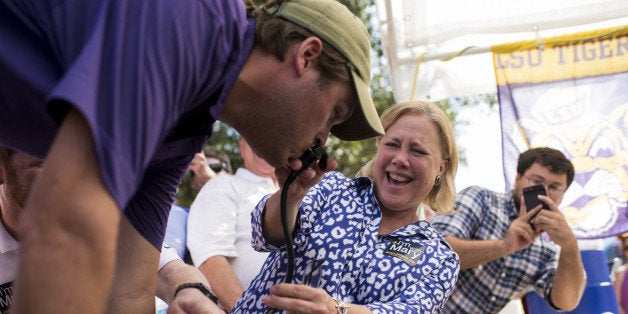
(555, 189)
(218, 167)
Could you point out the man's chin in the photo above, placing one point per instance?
(274, 160)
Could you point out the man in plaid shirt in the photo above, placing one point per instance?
(497, 239)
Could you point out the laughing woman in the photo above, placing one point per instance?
(359, 244)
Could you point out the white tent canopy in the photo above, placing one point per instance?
(435, 29)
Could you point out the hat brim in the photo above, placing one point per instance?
(364, 122)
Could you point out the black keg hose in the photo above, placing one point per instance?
(313, 154)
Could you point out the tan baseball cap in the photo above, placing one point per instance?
(331, 21)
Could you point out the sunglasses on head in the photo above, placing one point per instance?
(218, 167)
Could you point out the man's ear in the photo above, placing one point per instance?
(307, 52)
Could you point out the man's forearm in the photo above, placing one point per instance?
(476, 252)
(67, 231)
(223, 280)
(134, 279)
(173, 275)
(570, 279)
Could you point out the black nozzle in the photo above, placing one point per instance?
(311, 155)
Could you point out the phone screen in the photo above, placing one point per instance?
(530, 196)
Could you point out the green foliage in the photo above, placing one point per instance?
(225, 139)
(185, 195)
(452, 106)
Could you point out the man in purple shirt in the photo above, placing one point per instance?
(118, 96)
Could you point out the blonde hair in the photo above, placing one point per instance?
(441, 198)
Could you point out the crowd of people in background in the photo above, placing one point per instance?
(98, 128)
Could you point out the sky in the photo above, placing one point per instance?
(481, 140)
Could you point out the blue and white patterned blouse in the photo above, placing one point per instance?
(486, 215)
(338, 249)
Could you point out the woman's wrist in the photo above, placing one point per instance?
(341, 306)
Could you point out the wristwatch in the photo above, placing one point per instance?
(341, 306)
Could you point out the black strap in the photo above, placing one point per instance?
(199, 286)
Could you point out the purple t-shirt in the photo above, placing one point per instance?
(150, 77)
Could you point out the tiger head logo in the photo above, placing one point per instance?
(597, 145)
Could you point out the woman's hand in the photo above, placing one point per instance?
(296, 298)
(305, 180)
(295, 193)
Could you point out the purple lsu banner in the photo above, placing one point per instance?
(571, 93)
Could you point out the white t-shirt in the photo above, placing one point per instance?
(8, 267)
(168, 254)
(219, 222)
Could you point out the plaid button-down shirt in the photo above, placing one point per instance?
(486, 215)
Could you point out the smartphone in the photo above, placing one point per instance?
(530, 196)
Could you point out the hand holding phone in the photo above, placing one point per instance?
(531, 196)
